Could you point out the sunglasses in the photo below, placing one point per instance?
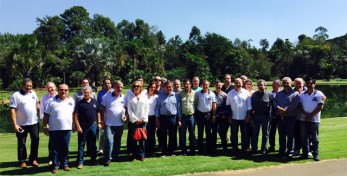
(64, 90)
(136, 86)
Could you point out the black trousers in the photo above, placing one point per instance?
(33, 130)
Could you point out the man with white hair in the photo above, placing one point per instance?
(286, 103)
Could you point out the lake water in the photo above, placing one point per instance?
(336, 103)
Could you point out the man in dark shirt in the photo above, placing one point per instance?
(87, 119)
(262, 104)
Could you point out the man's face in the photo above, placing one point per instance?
(310, 85)
(187, 86)
(50, 88)
(177, 85)
(63, 91)
(205, 85)
(218, 86)
(299, 85)
(118, 88)
(196, 82)
(86, 94)
(107, 84)
(286, 85)
(27, 86)
(157, 80)
(275, 86)
(168, 88)
(238, 83)
(227, 79)
(261, 87)
(85, 83)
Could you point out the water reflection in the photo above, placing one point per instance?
(336, 103)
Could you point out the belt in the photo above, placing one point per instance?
(168, 116)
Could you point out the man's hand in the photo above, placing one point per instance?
(46, 131)
(79, 130)
(179, 124)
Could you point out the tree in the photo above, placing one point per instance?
(321, 33)
(97, 57)
(264, 44)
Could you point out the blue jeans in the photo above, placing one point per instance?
(235, 125)
(138, 147)
(286, 132)
(89, 136)
(262, 120)
(309, 130)
(33, 130)
(113, 135)
(187, 122)
(60, 141)
(167, 127)
(150, 143)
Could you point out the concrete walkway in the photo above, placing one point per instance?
(321, 168)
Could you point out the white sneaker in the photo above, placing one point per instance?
(100, 152)
(309, 154)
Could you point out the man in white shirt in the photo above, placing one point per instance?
(57, 123)
(205, 116)
(112, 116)
(311, 105)
(24, 105)
(51, 92)
(240, 101)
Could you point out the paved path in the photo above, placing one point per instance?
(321, 168)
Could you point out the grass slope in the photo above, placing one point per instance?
(333, 137)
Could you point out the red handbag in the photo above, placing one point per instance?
(140, 134)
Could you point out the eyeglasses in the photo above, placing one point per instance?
(157, 79)
(136, 86)
(64, 90)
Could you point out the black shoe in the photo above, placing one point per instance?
(107, 163)
(271, 149)
(316, 158)
(303, 156)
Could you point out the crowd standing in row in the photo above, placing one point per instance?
(167, 111)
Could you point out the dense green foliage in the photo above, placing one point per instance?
(70, 46)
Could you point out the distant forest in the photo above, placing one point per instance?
(72, 46)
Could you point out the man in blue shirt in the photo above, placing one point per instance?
(168, 109)
(87, 120)
(286, 103)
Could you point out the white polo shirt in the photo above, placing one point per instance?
(310, 103)
(25, 105)
(240, 103)
(43, 103)
(114, 109)
(138, 109)
(60, 113)
(205, 101)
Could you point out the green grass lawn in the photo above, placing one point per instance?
(333, 137)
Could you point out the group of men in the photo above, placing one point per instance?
(176, 111)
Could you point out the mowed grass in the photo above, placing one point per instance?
(333, 137)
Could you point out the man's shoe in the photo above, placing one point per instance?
(107, 163)
(50, 163)
(296, 152)
(23, 165)
(66, 168)
(303, 156)
(271, 149)
(100, 153)
(55, 170)
(80, 166)
(35, 163)
(142, 159)
(316, 158)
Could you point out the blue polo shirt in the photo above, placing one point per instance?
(168, 105)
(87, 112)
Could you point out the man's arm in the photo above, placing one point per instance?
(14, 120)
(45, 124)
(77, 123)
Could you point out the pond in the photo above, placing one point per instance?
(336, 103)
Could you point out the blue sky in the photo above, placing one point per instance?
(244, 19)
